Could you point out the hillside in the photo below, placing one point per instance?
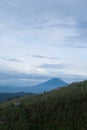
(10, 96)
(61, 109)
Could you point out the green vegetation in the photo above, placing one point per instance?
(10, 96)
(60, 109)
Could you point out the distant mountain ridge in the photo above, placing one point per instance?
(50, 85)
(45, 86)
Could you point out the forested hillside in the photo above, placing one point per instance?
(61, 109)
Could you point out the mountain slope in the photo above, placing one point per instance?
(62, 109)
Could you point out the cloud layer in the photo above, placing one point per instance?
(52, 66)
(10, 59)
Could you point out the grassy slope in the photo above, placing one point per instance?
(62, 109)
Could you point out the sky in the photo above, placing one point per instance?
(41, 39)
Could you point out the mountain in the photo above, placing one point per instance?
(49, 85)
(46, 86)
(61, 109)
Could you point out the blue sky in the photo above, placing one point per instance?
(42, 39)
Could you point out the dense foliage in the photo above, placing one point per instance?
(61, 109)
(10, 96)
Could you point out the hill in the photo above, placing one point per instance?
(10, 96)
(61, 109)
(45, 86)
